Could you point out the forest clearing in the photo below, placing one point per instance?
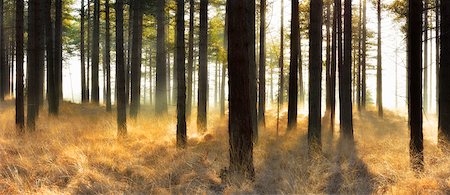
(79, 153)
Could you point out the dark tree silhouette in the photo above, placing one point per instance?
(84, 97)
(3, 65)
(364, 56)
(20, 118)
(51, 73)
(107, 56)
(414, 72)
(181, 93)
(379, 75)
(190, 65)
(96, 52)
(136, 55)
(161, 86)
(203, 68)
(281, 60)
(293, 68)
(345, 81)
(328, 58)
(240, 119)
(444, 77)
(58, 49)
(120, 72)
(262, 65)
(315, 76)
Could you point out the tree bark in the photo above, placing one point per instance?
(444, 77)
(120, 72)
(107, 56)
(51, 73)
(315, 76)
(96, 53)
(281, 60)
(136, 55)
(161, 86)
(414, 73)
(190, 57)
(181, 93)
(345, 89)
(328, 58)
(425, 56)
(379, 68)
(293, 74)
(3, 66)
(240, 119)
(20, 118)
(82, 55)
(58, 49)
(203, 68)
(262, 65)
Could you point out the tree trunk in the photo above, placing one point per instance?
(190, 57)
(88, 80)
(181, 93)
(293, 72)
(252, 73)
(345, 81)
(20, 118)
(328, 58)
(425, 56)
(83, 63)
(51, 73)
(315, 77)
(415, 83)
(107, 57)
(136, 54)
(35, 51)
(262, 65)
(379, 75)
(363, 57)
(58, 49)
(203, 70)
(3, 66)
(96, 52)
(444, 77)
(239, 62)
(161, 86)
(358, 82)
(336, 40)
(120, 72)
(281, 60)
(438, 54)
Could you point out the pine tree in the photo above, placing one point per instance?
(120, 72)
(293, 74)
(181, 93)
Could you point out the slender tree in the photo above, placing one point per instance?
(120, 72)
(262, 65)
(414, 72)
(96, 52)
(51, 74)
(281, 60)
(181, 94)
(315, 76)
(82, 55)
(161, 86)
(293, 75)
(190, 64)
(336, 44)
(20, 118)
(444, 76)
(438, 54)
(364, 57)
(58, 49)
(3, 80)
(328, 58)
(379, 75)
(425, 56)
(345, 88)
(136, 54)
(107, 56)
(240, 119)
(203, 68)
(358, 82)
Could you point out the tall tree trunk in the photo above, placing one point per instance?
(315, 76)
(336, 44)
(293, 72)
(358, 82)
(262, 65)
(83, 58)
(51, 74)
(35, 52)
(415, 83)
(181, 94)
(96, 53)
(120, 72)
(252, 75)
(88, 80)
(328, 58)
(3, 66)
(128, 56)
(203, 68)
(379, 75)
(161, 86)
(239, 62)
(58, 49)
(107, 57)
(425, 56)
(20, 117)
(190, 57)
(281, 60)
(224, 67)
(364, 55)
(444, 77)
(438, 54)
(345, 81)
(136, 54)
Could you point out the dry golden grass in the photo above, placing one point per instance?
(78, 153)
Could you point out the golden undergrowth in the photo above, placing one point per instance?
(78, 153)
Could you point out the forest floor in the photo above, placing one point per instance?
(78, 153)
